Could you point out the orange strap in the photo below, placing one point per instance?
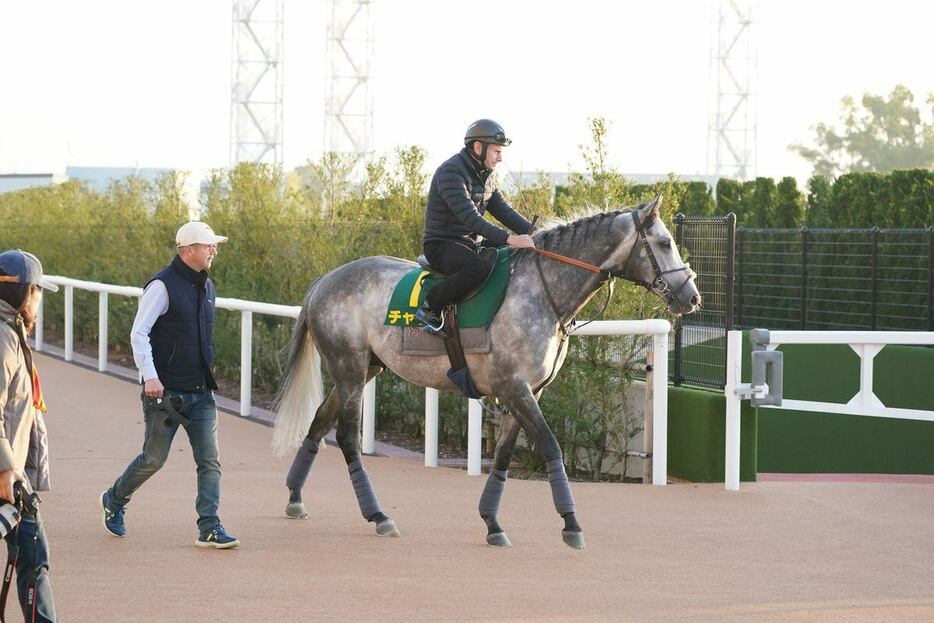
(38, 401)
(568, 260)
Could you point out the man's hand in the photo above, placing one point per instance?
(7, 478)
(521, 242)
(153, 388)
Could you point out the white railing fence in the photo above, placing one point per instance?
(657, 421)
(866, 344)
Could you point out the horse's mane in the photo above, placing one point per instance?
(557, 233)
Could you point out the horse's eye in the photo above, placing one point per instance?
(666, 243)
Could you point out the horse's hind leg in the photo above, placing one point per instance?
(350, 394)
(496, 482)
(305, 457)
(524, 407)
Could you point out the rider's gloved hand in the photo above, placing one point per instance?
(521, 242)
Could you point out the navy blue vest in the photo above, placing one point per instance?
(181, 338)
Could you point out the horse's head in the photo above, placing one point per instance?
(652, 259)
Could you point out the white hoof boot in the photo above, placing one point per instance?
(296, 510)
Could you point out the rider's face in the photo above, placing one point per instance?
(494, 155)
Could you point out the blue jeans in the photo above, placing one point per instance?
(33, 558)
(202, 433)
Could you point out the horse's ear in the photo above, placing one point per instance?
(649, 212)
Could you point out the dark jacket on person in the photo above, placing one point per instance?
(460, 192)
(181, 339)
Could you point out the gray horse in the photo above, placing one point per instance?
(342, 319)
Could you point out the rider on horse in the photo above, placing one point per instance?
(462, 189)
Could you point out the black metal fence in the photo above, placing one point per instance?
(699, 355)
(850, 279)
(808, 279)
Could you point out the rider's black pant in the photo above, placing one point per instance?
(466, 267)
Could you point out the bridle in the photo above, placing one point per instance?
(660, 283)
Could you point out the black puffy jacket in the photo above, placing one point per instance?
(459, 194)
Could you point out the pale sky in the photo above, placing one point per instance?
(127, 83)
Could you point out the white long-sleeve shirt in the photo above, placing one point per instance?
(153, 303)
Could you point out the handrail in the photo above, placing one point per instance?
(658, 329)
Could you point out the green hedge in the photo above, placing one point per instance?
(900, 199)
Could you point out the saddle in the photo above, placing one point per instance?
(459, 373)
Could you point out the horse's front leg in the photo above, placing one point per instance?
(496, 482)
(524, 407)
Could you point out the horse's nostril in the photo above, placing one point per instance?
(695, 300)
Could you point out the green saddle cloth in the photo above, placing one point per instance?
(477, 311)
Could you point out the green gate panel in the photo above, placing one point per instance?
(805, 442)
(697, 436)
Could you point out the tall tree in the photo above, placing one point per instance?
(879, 134)
(789, 205)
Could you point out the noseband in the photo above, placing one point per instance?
(659, 283)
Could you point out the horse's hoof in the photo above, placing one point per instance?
(387, 527)
(573, 539)
(498, 539)
(296, 510)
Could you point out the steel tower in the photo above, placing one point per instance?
(256, 82)
(348, 111)
(732, 114)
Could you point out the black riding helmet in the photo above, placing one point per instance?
(487, 132)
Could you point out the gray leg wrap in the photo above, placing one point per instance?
(366, 498)
(301, 465)
(560, 488)
(492, 492)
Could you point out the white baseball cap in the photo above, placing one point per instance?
(196, 232)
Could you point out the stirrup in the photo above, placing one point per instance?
(430, 328)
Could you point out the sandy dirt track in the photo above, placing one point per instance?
(775, 551)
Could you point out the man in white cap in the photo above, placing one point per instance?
(172, 346)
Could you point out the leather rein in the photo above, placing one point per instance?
(659, 283)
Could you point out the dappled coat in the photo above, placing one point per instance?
(459, 194)
(23, 439)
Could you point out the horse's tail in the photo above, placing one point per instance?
(301, 390)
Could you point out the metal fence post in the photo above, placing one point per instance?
(739, 273)
(368, 443)
(431, 427)
(873, 276)
(930, 278)
(246, 362)
(730, 269)
(474, 436)
(102, 332)
(804, 277)
(40, 334)
(679, 335)
(69, 322)
(730, 276)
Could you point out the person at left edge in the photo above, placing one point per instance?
(24, 449)
(173, 349)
